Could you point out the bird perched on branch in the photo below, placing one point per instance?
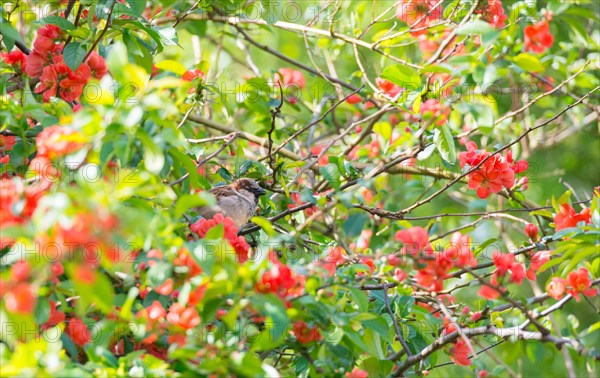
(237, 200)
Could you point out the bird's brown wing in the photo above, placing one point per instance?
(229, 204)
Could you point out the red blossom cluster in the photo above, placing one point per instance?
(497, 171)
(459, 353)
(493, 12)
(46, 61)
(78, 331)
(239, 244)
(577, 282)
(297, 201)
(419, 14)
(567, 217)
(432, 269)
(538, 37)
(6, 144)
(434, 112)
(58, 141)
(178, 319)
(306, 334)
(387, 87)
(18, 202)
(280, 279)
(505, 264)
(290, 78)
(15, 58)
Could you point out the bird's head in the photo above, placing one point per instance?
(249, 185)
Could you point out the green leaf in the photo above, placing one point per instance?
(355, 223)
(544, 213)
(377, 367)
(403, 76)
(445, 143)
(529, 63)
(564, 198)
(360, 298)
(73, 55)
(58, 21)
(9, 34)
(265, 224)
(404, 304)
(187, 201)
(475, 27)
(168, 36)
(42, 311)
(154, 159)
(276, 324)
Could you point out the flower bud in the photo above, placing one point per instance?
(532, 231)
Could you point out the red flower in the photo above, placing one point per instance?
(418, 14)
(72, 87)
(414, 240)
(56, 141)
(388, 87)
(184, 259)
(368, 262)
(517, 273)
(191, 75)
(334, 258)
(48, 83)
(20, 271)
(490, 177)
(532, 231)
(568, 218)
(239, 244)
(357, 373)
(182, 317)
(537, 260)
(538, 37)
(304, 333)
(46, 36)
(85, 274)
(432, 110)
(579, 281)
(35, 63)
(165, 288)
(489, 292)
(97, 65)
(503, 262)
(353, 99)
(20, 299)
(7, 143)
(400, 275)
(460, 353)
(290, 77)
(494, 13)
(15, 58)
(459, 252)
(556, 287)
(156, 311)
(54, 318)
(280, 279)
(78, 332)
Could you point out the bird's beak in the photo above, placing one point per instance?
(261, 191)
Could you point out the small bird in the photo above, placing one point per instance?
(237, 200)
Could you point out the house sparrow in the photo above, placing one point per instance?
(237, 200)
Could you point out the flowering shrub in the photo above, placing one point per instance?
(431, 207)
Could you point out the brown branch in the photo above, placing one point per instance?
(506, 146)
(97, 41)
(233, 136)
(488, 330)
(395, 322)
(274, 114)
